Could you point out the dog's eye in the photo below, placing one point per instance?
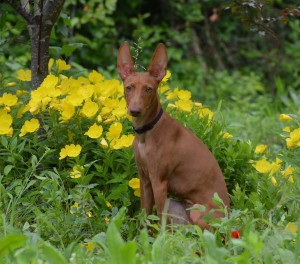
(149, 90)
(128, 89)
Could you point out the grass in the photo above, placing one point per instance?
(81, 209)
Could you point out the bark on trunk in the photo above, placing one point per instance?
(40, 17)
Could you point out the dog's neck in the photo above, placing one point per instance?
(145, 123)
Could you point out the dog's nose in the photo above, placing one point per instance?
(135, 112)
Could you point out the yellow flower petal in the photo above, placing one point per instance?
(89, 109)
(137, 192)
(62, 65)
(184, 105)
(114, 131)
(70, 151)
(24, 75)
(284, 117)
(167, 76)
(30, 126)
(94, 131)
(9, 99)
(263, 166)
(260, 149)
(104, 143)
(95, 77)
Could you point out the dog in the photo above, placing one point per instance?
(170, 159)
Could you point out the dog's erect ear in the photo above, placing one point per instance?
(158, 65)
(125, 63)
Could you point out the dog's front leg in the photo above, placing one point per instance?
(160, 190)
(147, 198)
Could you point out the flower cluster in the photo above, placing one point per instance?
(92, 98)
(181, 99)
(292, 138)
(293, 135)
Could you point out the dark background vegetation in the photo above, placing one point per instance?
(238, 38)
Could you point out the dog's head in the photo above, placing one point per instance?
(140, 88)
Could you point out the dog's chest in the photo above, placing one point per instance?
(145, 157)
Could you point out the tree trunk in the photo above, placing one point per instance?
(40, 17)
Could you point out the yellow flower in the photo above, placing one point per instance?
(163, 89)
(288, 171)
(89, 214)
(184, 95)
(70, 151)
(114, 131)
(74, 208)
(106, 220)
(49, 82)
(203, 112)
(76, 172)
(95, 77)
(123, 142)
(171, 95)
(62, 65)
(287, 129)
(5, 123)
(167, 76)
(294, 139)
(9, 99)
(134, 183)
(30, 126)
(292, 227)
(67, 110)
(108, 204)
(24, 75)
(94, 131)
(89, 109)
(284, 117)
(137, 192)
(291, 179)
(90, 246)
(260, 149)
(263, 166)
(184, 105)
(227, 135)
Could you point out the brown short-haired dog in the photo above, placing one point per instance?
(170, 158)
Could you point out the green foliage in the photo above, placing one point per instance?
(78, 208)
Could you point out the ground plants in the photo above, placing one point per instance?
(69, 188)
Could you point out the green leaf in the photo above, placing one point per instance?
(128, 253)
(114, 243)
(4, 141)
(11, 243)
(52, 255)
(7, 169)
(68, 49)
